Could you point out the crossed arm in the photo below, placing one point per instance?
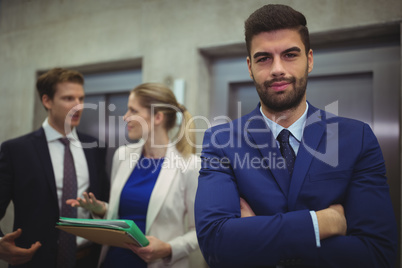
(368, 237)
(270, 239)
(331, 221)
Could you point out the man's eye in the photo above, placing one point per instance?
(262, 59)
(290, 55)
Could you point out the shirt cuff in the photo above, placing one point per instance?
(316, 228)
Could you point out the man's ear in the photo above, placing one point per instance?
(249, 68)
(47, 102)
(310, 60)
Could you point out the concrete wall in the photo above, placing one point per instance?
(164, 36)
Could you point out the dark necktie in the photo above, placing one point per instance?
(286, 150)
(67, 242)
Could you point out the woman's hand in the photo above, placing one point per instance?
(156, 249)
(90, 203)
(245, 209)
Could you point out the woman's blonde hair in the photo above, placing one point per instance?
(161, 99)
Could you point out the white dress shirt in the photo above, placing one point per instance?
(296, 129)
(56, 150)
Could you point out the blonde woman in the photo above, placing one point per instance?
(153, 183)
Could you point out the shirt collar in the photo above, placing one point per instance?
(53, 135)
(296, 128)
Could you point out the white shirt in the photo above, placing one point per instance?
(296, 129)
(56, 150)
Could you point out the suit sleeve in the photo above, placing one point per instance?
(226, 240)
(6, 183)
(371, 239)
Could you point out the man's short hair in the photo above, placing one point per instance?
(275, 17)
(46, 84)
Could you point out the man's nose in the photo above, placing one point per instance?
(277, 68)
(125, 116)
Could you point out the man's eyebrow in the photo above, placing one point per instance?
(292, 49)
(265, 54)
(261, 54)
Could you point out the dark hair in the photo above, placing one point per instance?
(275, 17)
(46, 84)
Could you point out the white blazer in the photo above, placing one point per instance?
(170, 215)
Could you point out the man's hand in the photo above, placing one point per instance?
(14, 255)
(332, 221)
(245, 209)
(156, 249)
(89, 202)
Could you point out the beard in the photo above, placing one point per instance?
(282, 101)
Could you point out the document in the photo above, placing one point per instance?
(115, 233)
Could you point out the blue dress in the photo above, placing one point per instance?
(134, 202)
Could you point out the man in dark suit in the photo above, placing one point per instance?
(32, 174)
(311, 185)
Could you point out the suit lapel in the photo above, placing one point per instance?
(166, 177)
(312, 135)
(264, 141)
(42, 149)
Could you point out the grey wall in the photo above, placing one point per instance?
(163, 37)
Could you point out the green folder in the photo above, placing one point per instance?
(116, 233)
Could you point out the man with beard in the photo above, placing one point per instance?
(289, 184)
(41, 170)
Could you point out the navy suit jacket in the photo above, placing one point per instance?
(27, 179)
(339, 161)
